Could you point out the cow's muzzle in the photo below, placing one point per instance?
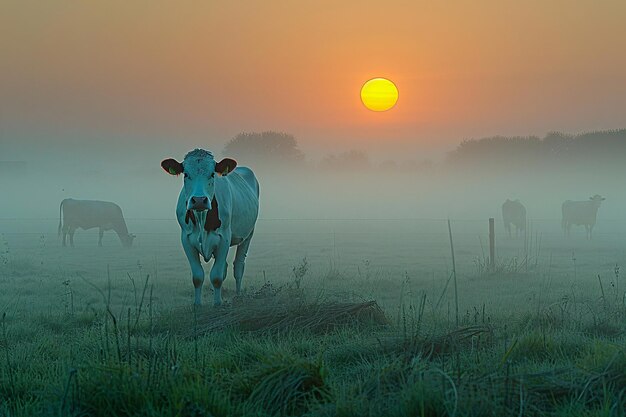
(198, 203)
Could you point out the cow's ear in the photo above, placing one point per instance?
(172, 166)
(225, 166)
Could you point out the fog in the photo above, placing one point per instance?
(340, 231)
(377, 211)
(137, 183)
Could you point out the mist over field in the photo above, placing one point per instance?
(351, 251)
(440, 230)
(466, 182)
(366, 208)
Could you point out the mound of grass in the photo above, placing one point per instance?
(277, 313)
(434, 345)
(282, 385)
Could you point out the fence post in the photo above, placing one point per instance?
(492, 245)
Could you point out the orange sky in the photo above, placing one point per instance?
(188, 70)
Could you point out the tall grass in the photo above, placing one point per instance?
(283, 351)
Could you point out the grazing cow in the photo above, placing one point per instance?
(514, 213)
(87, 214)
(581, 213)
(215, 212)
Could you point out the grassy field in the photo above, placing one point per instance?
(109, 332)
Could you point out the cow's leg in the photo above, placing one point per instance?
(64, 231)
(240, 261)
(590, 230)
(218, 271)
(100, 234)
(197, 272)
(71, 232)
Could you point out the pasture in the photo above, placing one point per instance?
(108, 331)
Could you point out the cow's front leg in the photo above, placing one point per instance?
(218, 272)
(197, 272)
(71, 233)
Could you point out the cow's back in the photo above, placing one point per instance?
(514, 212)
(243, 188)
(579, 212)
(90, 213)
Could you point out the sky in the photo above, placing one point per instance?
(171, 75)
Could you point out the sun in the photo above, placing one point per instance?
(379, 94)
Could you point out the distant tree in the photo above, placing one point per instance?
(557, 144)
(264, 148)
(346, 161)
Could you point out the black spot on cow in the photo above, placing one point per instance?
(213, 221)
(190, 216)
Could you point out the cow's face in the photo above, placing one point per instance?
(597, 200)
(199, 171)
(127, 241)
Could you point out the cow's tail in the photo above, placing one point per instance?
(60, 218)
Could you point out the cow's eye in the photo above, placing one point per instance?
(212, 175)
(186, 175)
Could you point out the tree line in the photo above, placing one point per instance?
(278, 149)
(607, 146)
(273, 149)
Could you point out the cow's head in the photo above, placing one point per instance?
(199, 170)
(127, 240)
(597, 199)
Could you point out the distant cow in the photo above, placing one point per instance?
(87, 214)
(581, 213)
(214, 212)
(514, 213)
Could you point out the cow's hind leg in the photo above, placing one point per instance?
(240, 261)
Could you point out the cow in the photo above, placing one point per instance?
(87, 214)
(581, 213)
(514, 213)
(217, 208)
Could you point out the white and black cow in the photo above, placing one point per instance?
(217, 208)
(87, 214)
(514, 213)
(581, 213)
